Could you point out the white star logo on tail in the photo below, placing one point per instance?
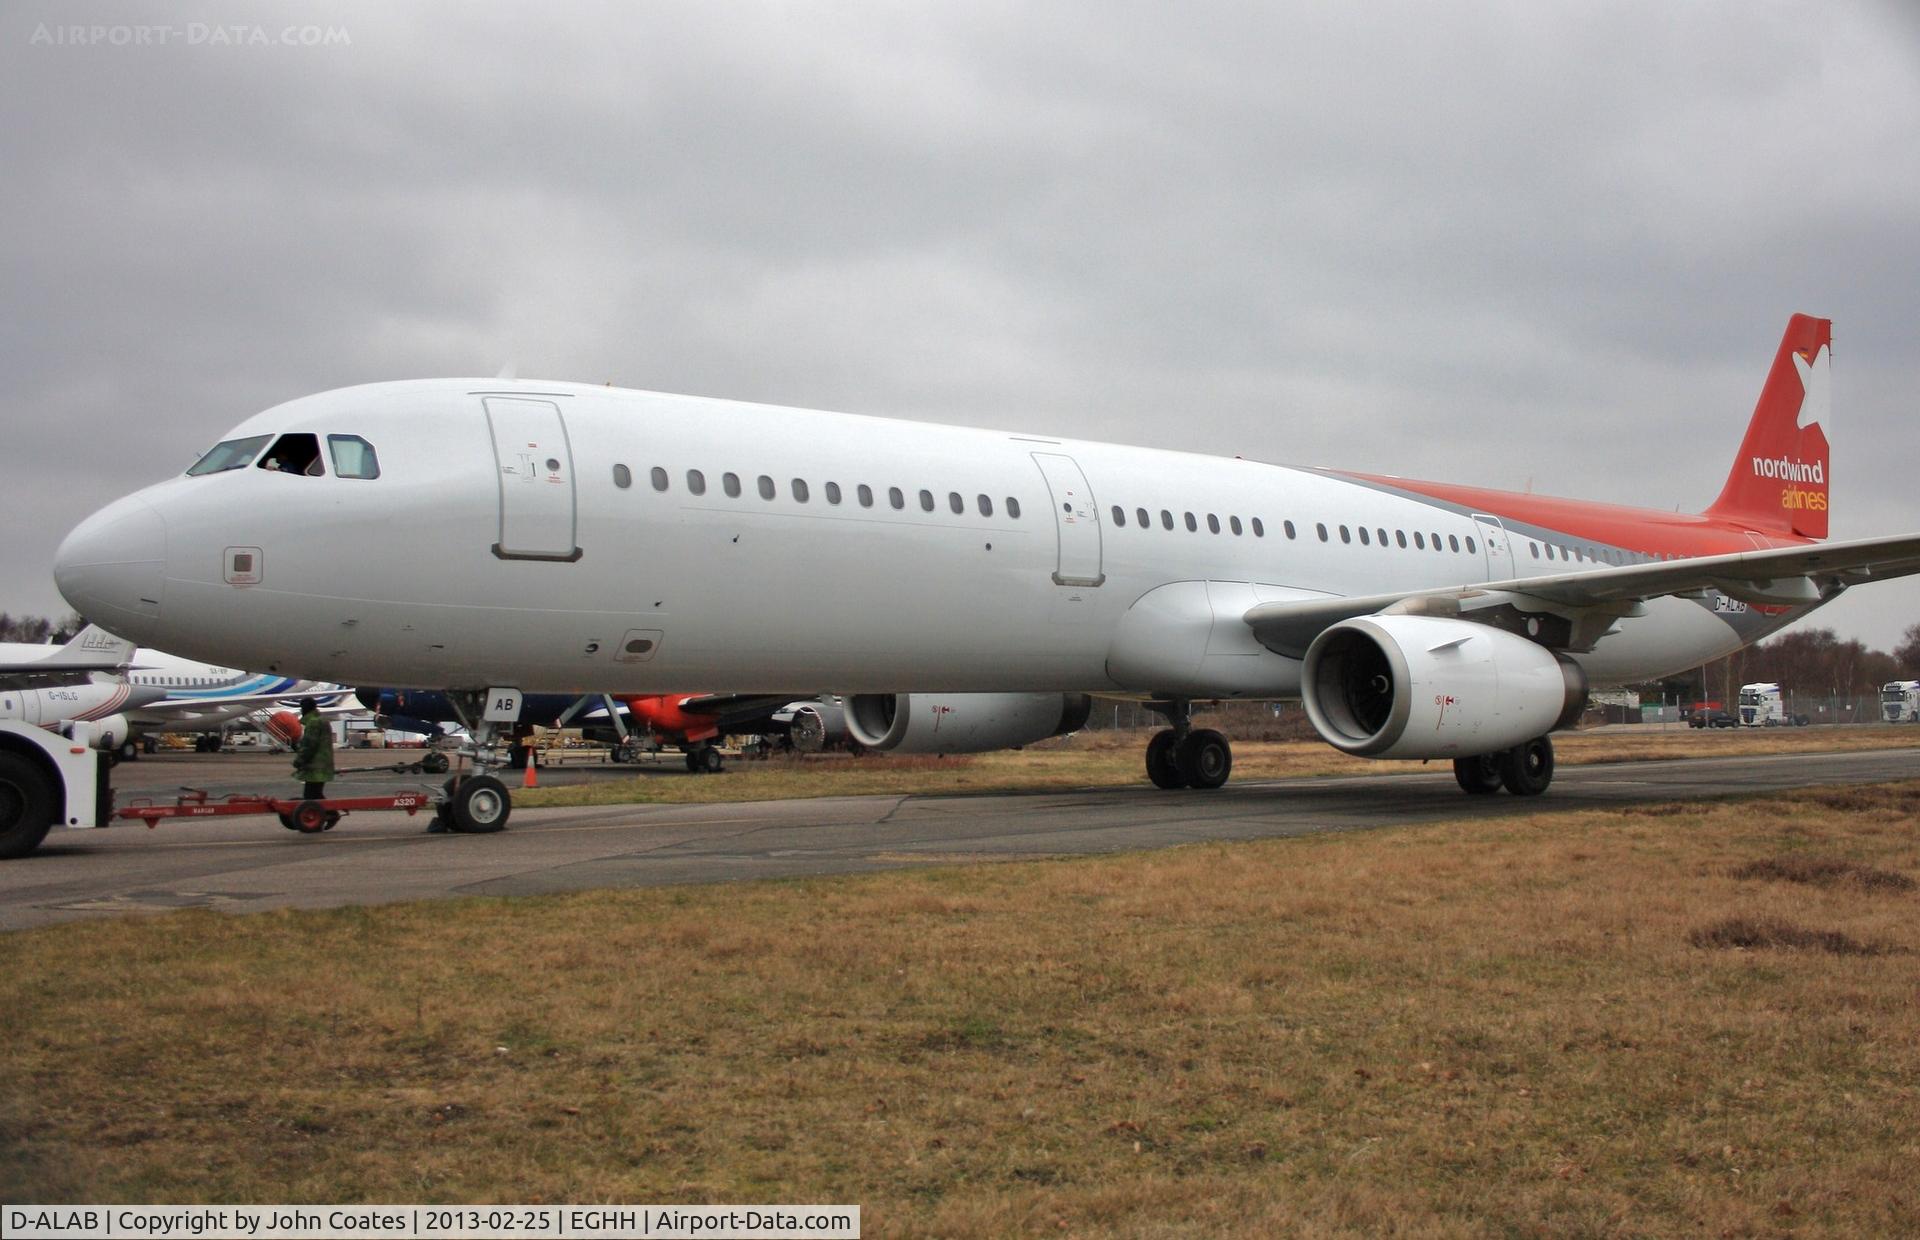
(1815, 378)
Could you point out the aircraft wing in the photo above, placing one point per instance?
(92, 650)
(1775, 577)
(730, 710)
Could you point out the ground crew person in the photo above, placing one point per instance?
(313, 760)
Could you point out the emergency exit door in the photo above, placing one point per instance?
(534, 464)
(1077, 520)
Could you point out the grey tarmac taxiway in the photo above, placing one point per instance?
(251, 863)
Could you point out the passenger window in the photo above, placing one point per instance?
(659, 478)
(295, 454)
(896, 497)
(622, 477)
(1141, 518)
(1419, 541)
(1233, 523)
(800, 491)
(986, 506)
(1322, 528)
(1346, 535)
(1470, 546)
(1193, 527)
(833, 492)
(1365, 540)
(1400, 537)
(766, 486)
(865, 493)
(1013, 508)
(1453, 543)
(1534, 547)
(353, 457)
(1213, 524)
(1435, 541)
(730, 483)
(926, 500)
(696, 482)
(956, 504)
(1119, 515)
(232, 454)
(1166, 519)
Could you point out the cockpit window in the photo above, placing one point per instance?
(232, 454)
(353, 457)
(295, 454)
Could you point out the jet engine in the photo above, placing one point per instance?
(108, 734)
(816, 725)
(962, 722)
(1427, 687)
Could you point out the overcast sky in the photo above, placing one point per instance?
(1519, 245)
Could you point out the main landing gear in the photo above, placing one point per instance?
(1525, 770)
(1184, 756)
(705, 760)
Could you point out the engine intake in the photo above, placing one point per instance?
(1427, 687)
(962, 722)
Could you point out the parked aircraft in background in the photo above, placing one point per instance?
(145, 691)
(690, 722)
(476, 533)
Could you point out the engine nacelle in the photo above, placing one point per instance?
(962, 722)
(106, 734)
(816, 725)
(1426, 687)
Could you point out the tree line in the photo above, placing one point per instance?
(37, 630)
(1814, 662)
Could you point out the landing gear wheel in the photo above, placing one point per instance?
(1161, 768)
(434, 764)
(621, 755)
(286, 820)
(26, 805)
(479, 805)
(1479, 775)
(310, 817)
(1527, 769)
(1204, 758)
(710, 761)
(129, 751)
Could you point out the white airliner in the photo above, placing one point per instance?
(468, 533)
(138, 692)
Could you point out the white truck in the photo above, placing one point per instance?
(1900, 701)
(47, 780)
(1763, 706)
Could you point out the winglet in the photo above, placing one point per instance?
(1780, 480)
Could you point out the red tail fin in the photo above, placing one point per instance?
(1780, 479)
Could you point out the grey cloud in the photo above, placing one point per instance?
(1516, 245)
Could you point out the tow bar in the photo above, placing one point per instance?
(307, 817)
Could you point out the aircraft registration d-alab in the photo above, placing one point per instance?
(464, 534)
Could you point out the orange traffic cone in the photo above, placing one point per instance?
(532, 779)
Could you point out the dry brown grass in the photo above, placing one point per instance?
(1460, 1029)
(1106, 759)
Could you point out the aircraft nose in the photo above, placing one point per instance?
(111, 567)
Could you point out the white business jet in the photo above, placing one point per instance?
(473, 533)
